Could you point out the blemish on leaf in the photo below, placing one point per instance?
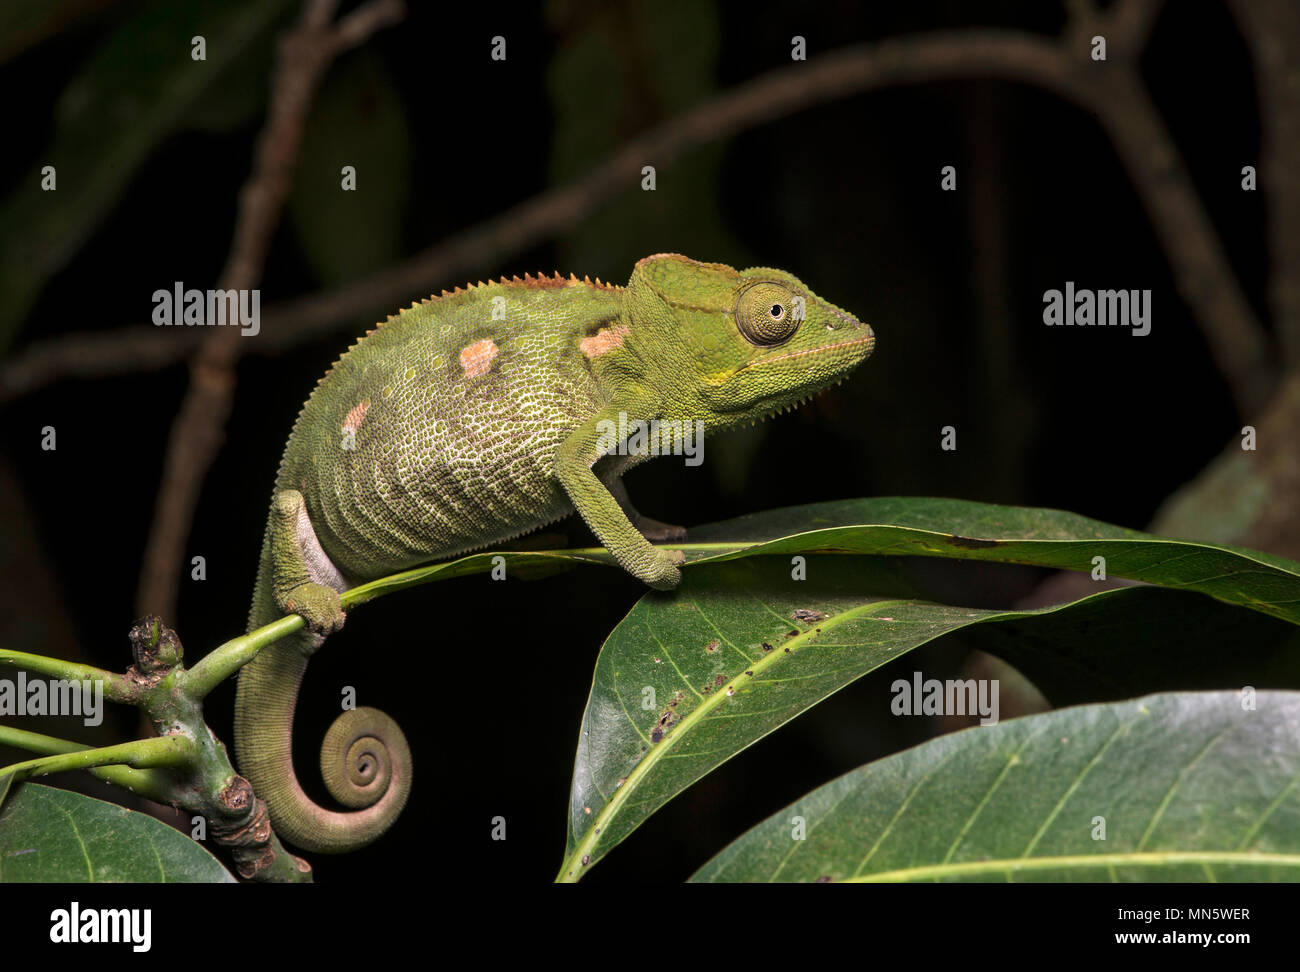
(970, 543)
(766, 646)
(476, 359)
(719, 679)
(807, 615)
(656, 734)
(792, 633)
(712, 647)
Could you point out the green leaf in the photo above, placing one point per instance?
(1191, 787)
(52, 835)
(726, 660)
(132, 92)
(963, 530)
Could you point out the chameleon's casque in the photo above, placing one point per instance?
(474, 417)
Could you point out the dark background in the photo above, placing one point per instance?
(845, 195)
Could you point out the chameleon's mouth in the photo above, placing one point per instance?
(870, 339)
(867, 343)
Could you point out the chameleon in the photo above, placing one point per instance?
(471, 418)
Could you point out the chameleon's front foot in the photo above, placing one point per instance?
(662, 571)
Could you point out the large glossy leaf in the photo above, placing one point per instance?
(959, 529)
(55, 835)
(1188, 787)
(688, 680)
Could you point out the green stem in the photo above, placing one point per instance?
(226, 659)
(222, 662)
(116, 688)
(140, 753)
(146, 782)
(34, 742)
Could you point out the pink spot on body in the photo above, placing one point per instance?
(477, 358)
(603, 341)
(356, 416)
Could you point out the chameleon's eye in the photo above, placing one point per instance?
(763, 313)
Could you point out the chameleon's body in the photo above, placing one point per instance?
(473, 417)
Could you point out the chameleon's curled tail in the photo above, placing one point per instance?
(365, 760)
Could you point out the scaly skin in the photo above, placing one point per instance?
(471, 418)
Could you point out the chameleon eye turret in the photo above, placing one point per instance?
(765, 313)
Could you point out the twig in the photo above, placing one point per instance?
(159, 752)
(197, 433)
(144, 782)
(116, 688)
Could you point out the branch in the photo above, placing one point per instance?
(185, 765)
(116, 688)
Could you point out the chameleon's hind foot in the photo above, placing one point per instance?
(319, 606)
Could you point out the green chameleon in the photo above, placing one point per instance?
(474, 417)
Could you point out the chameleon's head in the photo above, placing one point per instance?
(743, 345)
